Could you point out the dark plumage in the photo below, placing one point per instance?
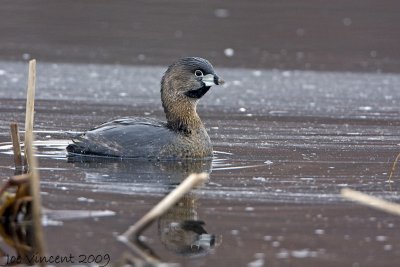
(183, 134)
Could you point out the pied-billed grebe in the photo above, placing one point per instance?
(182, 136)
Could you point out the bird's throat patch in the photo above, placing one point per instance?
(198, 93)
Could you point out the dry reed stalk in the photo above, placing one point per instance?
(371, 201)
(393, 167)
(16, 145)
(35, 194)
(32, 161)
(30, 105)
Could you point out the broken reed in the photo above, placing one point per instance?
(371, 201)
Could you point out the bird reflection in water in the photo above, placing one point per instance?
(130, 172)
(182, 232)
(180, 229)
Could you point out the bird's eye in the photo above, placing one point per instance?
(198, 73)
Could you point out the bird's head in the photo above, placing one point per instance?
(187, 80)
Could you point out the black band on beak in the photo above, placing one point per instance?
(216, 79)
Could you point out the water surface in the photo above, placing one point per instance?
(286, 143)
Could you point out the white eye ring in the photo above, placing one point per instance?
(198, 73)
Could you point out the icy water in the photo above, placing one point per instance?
(286, 143)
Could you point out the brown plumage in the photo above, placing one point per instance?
(183, 134)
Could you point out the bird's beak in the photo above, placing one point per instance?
(210, 80)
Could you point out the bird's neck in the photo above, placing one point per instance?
(183, 118)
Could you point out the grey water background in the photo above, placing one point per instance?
(286, 142)
(311, 105)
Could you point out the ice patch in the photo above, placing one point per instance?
(221, 13)
(309, 86)
(347, 21)
(276, 244)
(366, 108)
(267, 238)
(256, 263)
(234, 232)
(319, 231)
(26, 56)
(84, 199)
(381, 238)
(229, 52)
(256, 73)
(387, 247)
(283, 254)
(261, 179)
(303, 253)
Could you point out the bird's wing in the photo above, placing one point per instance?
(126, 137)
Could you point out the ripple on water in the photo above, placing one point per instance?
(156, 178)
(55, 149)
(52, 149)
